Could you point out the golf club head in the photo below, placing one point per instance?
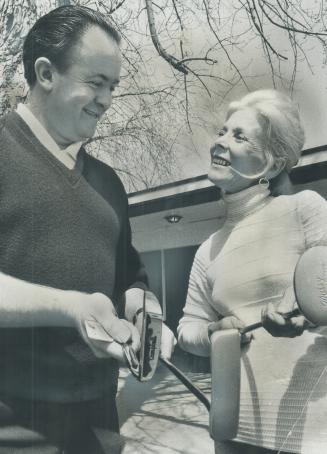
(310, 284)
(225, 384)
(149, 324)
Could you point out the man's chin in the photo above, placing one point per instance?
(87, 134)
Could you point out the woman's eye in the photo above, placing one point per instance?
(241, 137)
(220, 133)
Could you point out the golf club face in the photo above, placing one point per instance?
(225, 384)
(149, 325)
(310, 284)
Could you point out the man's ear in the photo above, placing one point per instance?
(44, 71)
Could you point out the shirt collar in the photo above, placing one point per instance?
(67, 155)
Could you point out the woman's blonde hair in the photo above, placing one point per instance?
(280, 120)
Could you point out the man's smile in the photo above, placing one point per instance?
(92, 113)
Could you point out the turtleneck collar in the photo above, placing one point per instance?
(246, 202)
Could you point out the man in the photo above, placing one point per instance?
(65, 245)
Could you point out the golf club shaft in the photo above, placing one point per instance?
(257, 325)
(187, 382)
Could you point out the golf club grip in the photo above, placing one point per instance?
(257, 325)
(187, 382)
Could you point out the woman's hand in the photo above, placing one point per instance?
(98, 309)
(274, 318)
(230, 322)
(168, 342)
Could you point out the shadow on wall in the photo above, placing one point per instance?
(169, 275)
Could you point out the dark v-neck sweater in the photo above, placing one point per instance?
(66, 229)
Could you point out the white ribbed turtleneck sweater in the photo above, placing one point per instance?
(247, 263)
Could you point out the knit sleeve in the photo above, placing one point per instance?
(313, 214)
(198, 311)
(136, 274)
(130, 271)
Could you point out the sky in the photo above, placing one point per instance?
(309, 93)
(207, 113)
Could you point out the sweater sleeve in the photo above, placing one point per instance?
(198, 311)
(313, 214)
(130, 271)
(136, 274)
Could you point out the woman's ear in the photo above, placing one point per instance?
(44, 71)
(277, 167)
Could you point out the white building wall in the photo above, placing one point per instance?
(152, 232)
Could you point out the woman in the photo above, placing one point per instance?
(244, 272)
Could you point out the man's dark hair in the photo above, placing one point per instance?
(54, 34)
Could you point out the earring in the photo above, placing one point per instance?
(264, 183)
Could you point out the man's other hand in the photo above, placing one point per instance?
(134, 302)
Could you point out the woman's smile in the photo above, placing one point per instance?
(217, 160)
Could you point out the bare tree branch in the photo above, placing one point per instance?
(287, 27)
(143, 93)
(173, 61)
(258, 25)
(221, 44)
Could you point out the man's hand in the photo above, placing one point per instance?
(230, 322)
(98, 308)
(134, 302)
(274, 317)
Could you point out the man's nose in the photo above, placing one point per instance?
(104, 98)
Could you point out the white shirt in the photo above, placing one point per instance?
(67, 155)
(247, 263)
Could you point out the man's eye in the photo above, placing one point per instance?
(95, 83)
